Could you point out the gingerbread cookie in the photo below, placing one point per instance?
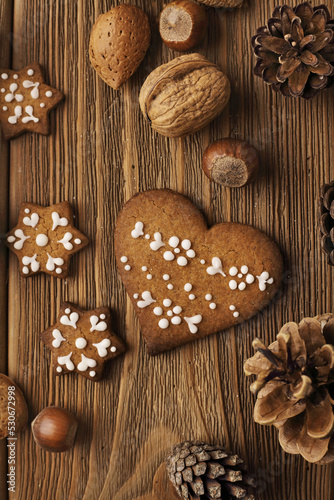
(44, 239)
(13, 408)
(82, 341)
(187, 281)
(26, 101)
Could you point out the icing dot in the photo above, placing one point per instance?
(15, 76)
(169, 313)
(232, 308)
(239, 275)
(213, 305)
(77, 241)
(177, 250)
(170, 286)
(188, 287)
(250, 279)
(4, 76)
(208, 296)
(236, 314)
(42, 105)
(191, 254)
(48, 93)
(3, 90)
(25, 270)
(176, 320)
(147, 236)
(113, 349)
(127, 268)
(182, 261)
(233, 285)
(244, 269)
(5, 108)
(102, 316)
(149, 276)
(168, 255)
(10, 239)
(163, 323)
(135, 295)
(202, 261)
(42, 240)
(30, 72)
(158, 311)
(192, 296)
(92, 373)
(59, 369)
(166, 277)
(27, 211)
(233, 271)
(173, 241)
(186, 244)
(81, 343)
(177, 309)
(167, 302)
(68, 310)
(144, 268)
(124, 259)
(265, 275)
(242, 286)
(59, 270)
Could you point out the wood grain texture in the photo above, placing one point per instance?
(99, 154)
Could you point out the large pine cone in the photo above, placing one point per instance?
(326, 221)
(295, 50)
(199, 470)
(228, 4)
(295, 387)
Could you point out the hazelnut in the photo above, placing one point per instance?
(54, 429)
(230, 162)
(183, 24)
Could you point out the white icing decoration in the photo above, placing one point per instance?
(192, 296)
(58, 221)
(18, 245)
(102, 316)
(239, 275)
(157, 243)
(186, 244)
(25, 270)
(59, 369)
(149, 276)
(97, 325)
(169, 313)
(147, 236)
(147, 300)
(86, 363)
(42, 105)
(158, 311)
(236, 314)
(68, 310)
(15, 76)
(58, 338)
(30, 72)
(191, 254)
(11, 96)
(177, 310)
(177, 250)
(250, 279)
(3, 90)
(173, 241)
(233, 285)
(232, 308)
(216, 267)
(166, 277)
(113, 349)
(4, 76)
(176, 320)
(264, 279)
(53, 262)
(138, 230)
(182, 261)
(102, 347)
(127, 268)
(169, 256)
(167, 302)
(30, 112)
(135, 295)
(92, 373)
(77, 241)
(124, 259)
(244, 269)
(48, 93)
(27, 84)
(233, 271)
(213, 305)
(27, 211)
(163, 323)
(144, 268)
(59, 270)
(242, 286)
(192, 322)
(17, 113)
(5, 108)
(32, 220)
(170, 286)
(65, 241)
(34, 265)
(208, 296)
(66, 360)
(188, 287)
(202, 261)
(81, 343)
(42, 240)
(70, 320)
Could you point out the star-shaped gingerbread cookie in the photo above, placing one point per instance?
(44, 239)
(26, 101)
(82, 341)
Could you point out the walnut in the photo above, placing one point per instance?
(184, 95)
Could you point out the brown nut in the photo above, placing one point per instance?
(228, 4)
(184, 95)
(54, 429)
(230, 162)
(13, 408)
(183, 24)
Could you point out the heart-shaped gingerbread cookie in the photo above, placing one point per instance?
(187, 281)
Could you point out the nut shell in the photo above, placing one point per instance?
(184, 95)
(118, 43)
(54, 429)
(20, 408)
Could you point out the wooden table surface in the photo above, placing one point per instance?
(99, 154)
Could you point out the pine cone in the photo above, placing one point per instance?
(326, 221)
(295, 387)
(198, 470)
(295, 51)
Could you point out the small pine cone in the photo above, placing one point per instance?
(201, 471)
(326, 221)
(295, 387)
